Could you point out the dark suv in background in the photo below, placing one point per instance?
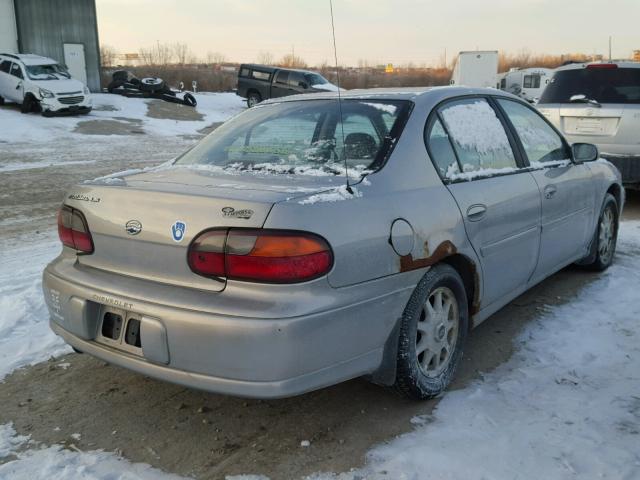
(260, 82)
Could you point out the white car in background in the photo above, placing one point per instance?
(40, 84)
(599, 103)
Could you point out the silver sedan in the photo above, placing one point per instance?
(310, 240)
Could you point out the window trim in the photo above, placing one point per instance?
(523, 152)
(513, 140)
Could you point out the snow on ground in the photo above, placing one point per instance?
(567, 405)
(25, 337)
(33, 128)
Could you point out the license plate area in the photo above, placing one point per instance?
(120, 329)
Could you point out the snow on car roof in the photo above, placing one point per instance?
(393, 93)
(30, 58)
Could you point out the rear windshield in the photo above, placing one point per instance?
(604, 85)
(304, 137)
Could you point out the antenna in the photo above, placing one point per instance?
(335, 56)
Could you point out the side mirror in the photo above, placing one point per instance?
(584, 152)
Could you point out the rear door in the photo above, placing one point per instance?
(499, 201)
(14, 83)
(566, 188)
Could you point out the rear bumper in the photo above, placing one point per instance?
(237, 355)
(629, 167)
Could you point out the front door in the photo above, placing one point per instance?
(14, 83)
(75, 61)
(280, 86)
(566, 189)
(498, 200)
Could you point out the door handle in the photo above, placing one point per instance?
(550, 191)
(18, 86)
(476, 212)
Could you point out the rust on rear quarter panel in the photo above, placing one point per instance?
(445, 249)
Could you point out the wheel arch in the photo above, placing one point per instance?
(470, 275)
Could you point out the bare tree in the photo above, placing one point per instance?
(216, 58)
(265, 58)
(291, 60)
(181, 53)
(161, 54)
(107, 56)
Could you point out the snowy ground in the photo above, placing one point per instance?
(566, 405)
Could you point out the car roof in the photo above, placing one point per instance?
(29, 58)
(620, 64)
(418, 95)
(271, 68)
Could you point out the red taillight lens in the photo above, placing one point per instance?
(73, 230)
(270, 256)
(605, 66)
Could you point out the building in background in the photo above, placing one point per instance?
(65, 30)
(636, 55)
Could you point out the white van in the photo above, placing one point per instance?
(527, 83)
(40, 84)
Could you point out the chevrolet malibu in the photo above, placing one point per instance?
(312, 239)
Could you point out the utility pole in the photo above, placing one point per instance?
(609, 48)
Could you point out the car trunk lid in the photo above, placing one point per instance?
(169, 208)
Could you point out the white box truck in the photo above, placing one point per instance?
(528, 83)
(476, 69)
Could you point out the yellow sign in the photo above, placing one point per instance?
(389, 68)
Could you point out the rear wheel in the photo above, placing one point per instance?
(432, 334)
(606, 235)
(253, 99)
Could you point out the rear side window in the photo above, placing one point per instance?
(531, 81)
(5, 66)
(244, 72)
(16, 71)
(604, 85)
(260, 75)
(282, 77)
(541, 142)
(478, 137)
(441, 151)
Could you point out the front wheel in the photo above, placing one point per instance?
(433, 331)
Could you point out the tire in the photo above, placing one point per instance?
(29, 104)
(120, 75)
(253, 99)
(606, 235)
(421, 375)
(189, 100)
(115, 84)
(151, 84)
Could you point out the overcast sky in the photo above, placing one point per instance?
(397, 31)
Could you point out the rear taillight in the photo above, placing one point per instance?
(270, 256)
(73, 230)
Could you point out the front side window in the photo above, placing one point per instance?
(541, 142)
(479, 139)
(244, 72)
(296, 79)
(16, 71)
(294, 137)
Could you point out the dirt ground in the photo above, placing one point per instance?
(199, 434)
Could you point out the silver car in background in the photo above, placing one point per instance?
(599, 103)
(308, 241)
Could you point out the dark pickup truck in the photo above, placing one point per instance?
(260, 82)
